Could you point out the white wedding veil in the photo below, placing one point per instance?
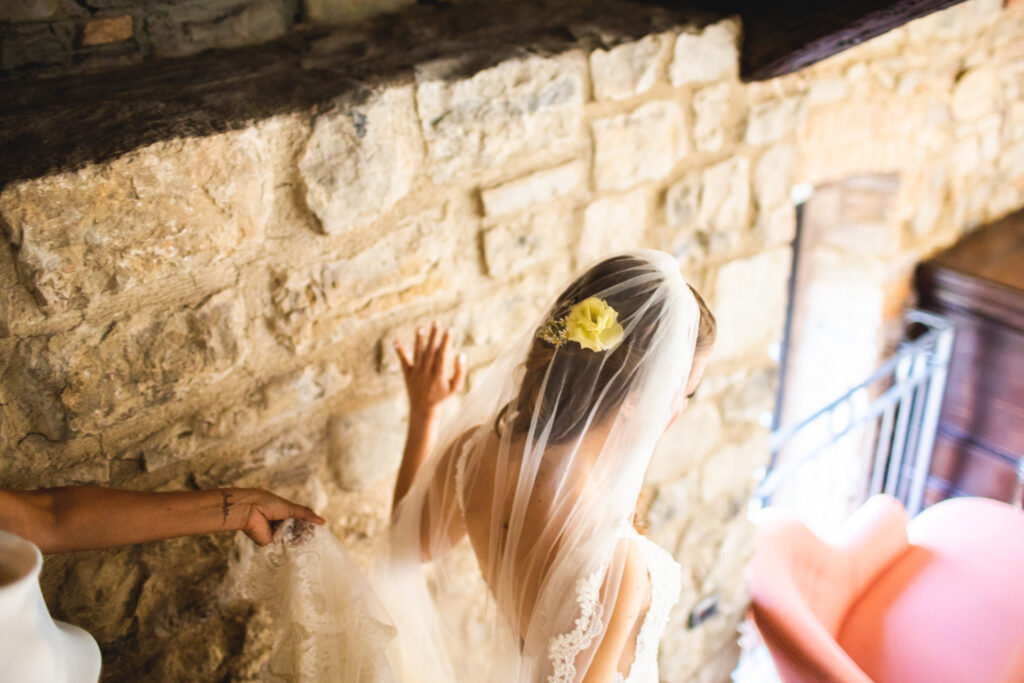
(506, 554)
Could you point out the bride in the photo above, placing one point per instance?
(529, 493)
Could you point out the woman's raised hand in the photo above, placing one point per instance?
(426, 378)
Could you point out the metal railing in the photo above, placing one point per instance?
(876, 437)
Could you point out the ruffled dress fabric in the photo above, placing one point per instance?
(328, 624)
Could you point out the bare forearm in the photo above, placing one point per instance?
(418, 440)
(96, 517)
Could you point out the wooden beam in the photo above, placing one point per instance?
(50, 124)
(787, 35)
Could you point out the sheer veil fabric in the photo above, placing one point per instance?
(527, 499)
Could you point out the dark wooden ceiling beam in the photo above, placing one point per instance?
(787, 35)
(65, 122)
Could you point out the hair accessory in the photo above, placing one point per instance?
(591, 323)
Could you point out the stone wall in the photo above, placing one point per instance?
(43, 37)
(54, 37)
(213, 311)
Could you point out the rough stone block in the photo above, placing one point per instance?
(35, 462)
(773, 176)
(989, 133)
(683, 447)
(750, 303)
(966, 156)
(310, 303)
(175, 443)
(36, 44)
(145, 359)
(929, 203)
(955, 23)
(138, 219)
(827, 90)
(521, 305)
(1013, 126)
(28, 10)
(725, 197)
(777, 226)
(613, 224)
(362, 158)
(291, 396)
(670, 509)
(522, 241)
(105, 30)
(770, 121)
(629, 69)
(681, 234)
(30, 386)
(682, 202)
(977, 93)
(711, 108)
(535, 188)
(1012, 76)
(290, 459)
(518, 110)
(297, 392)
(343, 11)
(1011, 164)
(184, 28)
(710, 55)
(366, 446)
(729, 473)
(644, 144)
(753, 397)
(103, 590)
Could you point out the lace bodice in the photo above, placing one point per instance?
(666, 578)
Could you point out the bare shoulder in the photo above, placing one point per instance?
(629, 580)
(635, 585)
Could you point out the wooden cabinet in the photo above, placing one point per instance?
(979, 285)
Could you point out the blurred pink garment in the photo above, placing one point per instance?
(944, 604)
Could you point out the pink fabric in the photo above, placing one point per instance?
(801, 587)
(952, 608)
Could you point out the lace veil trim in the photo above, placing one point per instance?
(563, 648)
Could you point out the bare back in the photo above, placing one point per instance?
(531, 561)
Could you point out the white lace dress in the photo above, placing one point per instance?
(666, 581)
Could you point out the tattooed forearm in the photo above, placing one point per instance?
(225, 505)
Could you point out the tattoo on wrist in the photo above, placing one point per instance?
(225, 505)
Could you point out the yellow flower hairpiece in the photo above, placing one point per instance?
(591, 323)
